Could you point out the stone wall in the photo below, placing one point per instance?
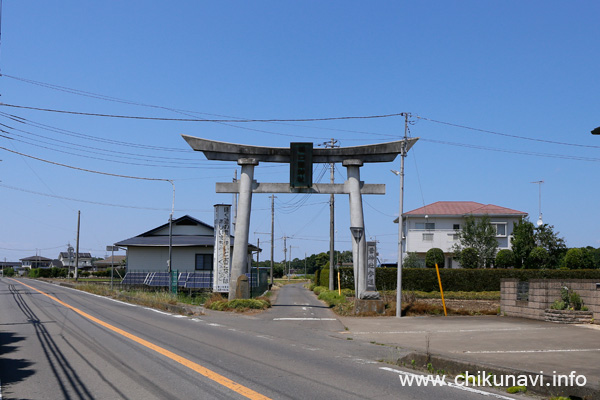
(542, 293)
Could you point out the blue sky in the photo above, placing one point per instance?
(522, 75)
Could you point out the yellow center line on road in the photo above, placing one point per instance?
(220, 379)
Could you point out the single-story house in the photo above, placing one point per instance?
(438, 225)
(117, 261)
(193, 244)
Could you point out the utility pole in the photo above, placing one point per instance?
(304, 265)
(401, 221)
(285, 255)
(77, 246)
(234, 201)
(331, 144)
(272, 234)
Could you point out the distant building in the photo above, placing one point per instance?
(36, 262)
(67, 258)
(438, 225)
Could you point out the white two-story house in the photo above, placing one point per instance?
(436, 225)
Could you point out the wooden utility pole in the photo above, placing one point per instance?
(77, 246)
(272, 234)
(331, 144)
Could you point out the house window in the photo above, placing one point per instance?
(456, 227)
(500, 228)
(204, 262)
(428, 237)
(425, 225)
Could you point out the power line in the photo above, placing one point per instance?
(87, 170)
(199, 119)
(96, 202)
(506, 134)
(527, 153)
(184, 112)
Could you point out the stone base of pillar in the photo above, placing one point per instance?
(370, 295)
(242, 289)
(369, 306)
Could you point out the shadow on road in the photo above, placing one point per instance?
(69, 381)
(12, 370)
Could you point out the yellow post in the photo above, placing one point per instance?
(339, 285)
(441, 290)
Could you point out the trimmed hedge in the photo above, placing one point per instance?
(324, 278)
(53, 272)
(461, 280)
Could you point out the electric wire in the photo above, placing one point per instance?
(140, 117)
(84, 169)
(98, 202)
(506, 134)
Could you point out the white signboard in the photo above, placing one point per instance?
(222, 259)
(371, 264)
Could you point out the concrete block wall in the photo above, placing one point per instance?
(543, 293)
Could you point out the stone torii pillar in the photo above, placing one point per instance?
(242, 225)
(351, 157)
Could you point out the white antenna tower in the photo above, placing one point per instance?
(539, 183)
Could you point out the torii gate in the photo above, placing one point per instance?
(351, 157)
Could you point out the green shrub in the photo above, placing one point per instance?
(505, 259)
(317, 277)
(575, 301)
(324, 277)
(558, 305)
(318, 289)
(9, 272)
(517, 389)
(574, 259)
(332, 298)
(434, 256)
(240, 304)
(537, 259)
(469, 258)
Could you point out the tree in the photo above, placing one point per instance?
(479, 234)
(537, 259)
(574, 259)
(411, 261)
(469, 258)
(546, 237)
(505, 259)
(434, 256)
(522, 241)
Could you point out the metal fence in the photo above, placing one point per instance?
(258, 280)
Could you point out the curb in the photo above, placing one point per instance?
(454, 367)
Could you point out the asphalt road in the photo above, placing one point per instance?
(59, 343)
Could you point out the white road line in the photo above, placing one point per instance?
(213, 324)
(264, 337)
(453, 385)
(304, 319)
(448, 331)
(525, 351)
(157, 311)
